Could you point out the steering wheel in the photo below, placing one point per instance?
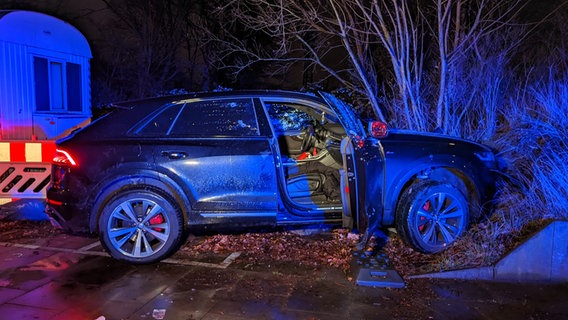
(308, 134)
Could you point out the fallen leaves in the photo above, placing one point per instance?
(333, 249)
(26, 229)
(478, 247)
(405, 260)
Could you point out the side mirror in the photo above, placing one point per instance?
(377, 129)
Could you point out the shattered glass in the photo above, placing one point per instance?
(208, 117)
(286, 118)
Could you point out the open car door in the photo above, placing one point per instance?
(362, 176)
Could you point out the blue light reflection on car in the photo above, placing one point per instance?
(262, 158)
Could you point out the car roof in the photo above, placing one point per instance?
(128, 113)
(221, 94)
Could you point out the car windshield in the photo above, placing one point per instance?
(345, 114)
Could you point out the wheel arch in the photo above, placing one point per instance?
(147, 180)
(439, 173)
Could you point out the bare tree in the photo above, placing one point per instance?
(461, 30)
(324, 34)
(146, 39)
(428, 46)
(398, 26)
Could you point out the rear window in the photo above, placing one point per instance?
(223, 117)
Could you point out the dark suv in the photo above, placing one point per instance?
(144, 175)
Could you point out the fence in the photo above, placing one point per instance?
(25, 169)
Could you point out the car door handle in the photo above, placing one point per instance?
(174, 155)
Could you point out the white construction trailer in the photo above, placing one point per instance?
(44, 94)
(44, 76)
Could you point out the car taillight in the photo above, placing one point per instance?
(63, 157)
(378, 129)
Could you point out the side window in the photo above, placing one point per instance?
(286, 117)
(160, 125)
(223, 117)
(227, 117)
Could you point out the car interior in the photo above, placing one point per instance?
(309, 142)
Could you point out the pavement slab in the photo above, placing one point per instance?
(65, 277)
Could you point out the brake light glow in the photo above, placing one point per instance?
(55, 203)
(62, 157)
(378, 129)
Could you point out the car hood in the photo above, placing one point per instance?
(410, 135)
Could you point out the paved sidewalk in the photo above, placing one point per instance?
(56, 276)
(68, 277)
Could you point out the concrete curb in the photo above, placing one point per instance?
(542, 258)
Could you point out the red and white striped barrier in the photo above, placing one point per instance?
(25, 169)
(27, 151)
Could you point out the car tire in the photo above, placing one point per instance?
(431, 215)
(141, 227)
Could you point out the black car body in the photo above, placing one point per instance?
(151, 170)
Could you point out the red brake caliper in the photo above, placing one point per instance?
(426, 207)
(157, 219)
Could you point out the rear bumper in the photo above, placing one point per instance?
(66, 217)
(51, 214)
